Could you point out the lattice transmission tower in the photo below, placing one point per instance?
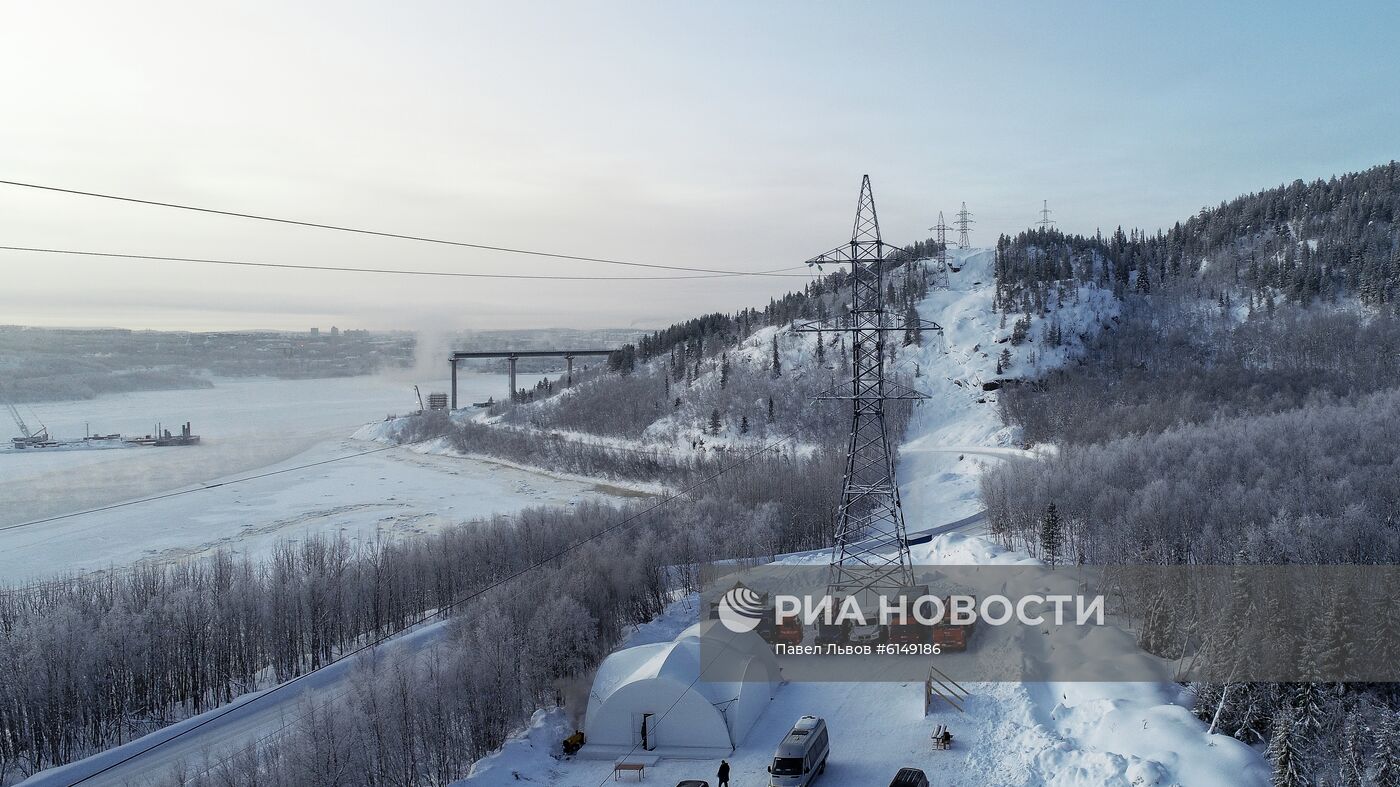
(963, 222)
(1045, 222)
(939, 273)
(871, 551)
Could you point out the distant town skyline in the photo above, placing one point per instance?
(720, 135)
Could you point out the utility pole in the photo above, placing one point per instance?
(871, 551)
(964, 219)
(1045, 222)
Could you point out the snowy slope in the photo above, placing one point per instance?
(1012, 734)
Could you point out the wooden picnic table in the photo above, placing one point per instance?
(622, 766)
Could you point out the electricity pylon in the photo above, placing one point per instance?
(940, 260)
(1045, 222)
(871, 551)
(964, 219)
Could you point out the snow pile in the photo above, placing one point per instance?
(529, 757)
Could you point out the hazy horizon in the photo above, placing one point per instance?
(719, 136)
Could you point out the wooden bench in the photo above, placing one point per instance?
(939, 741)
(622, 767)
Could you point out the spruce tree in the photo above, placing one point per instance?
(714, 421)
(724, 371)
(770, 410)
(1352, 768)
(744, 425)
(1051, 536)
(1284, 756)
(1307, 716)
(1338, 655)
(1387, 755)
(913, 334)
(777, 361)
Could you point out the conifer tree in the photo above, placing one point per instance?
(1306, 716)
(913, 334)
(1387, 755)
(1051, 536)
(1284, 756)
(777, 361)
(1353, 757)
(1338, 654)
(714, 421)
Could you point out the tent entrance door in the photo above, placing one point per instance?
(645, 734)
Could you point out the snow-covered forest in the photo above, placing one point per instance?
(1198, 416)
(679, 409)
(1241, 407)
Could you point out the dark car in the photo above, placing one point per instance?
(909, 777)
(833, 633)
(693, 783)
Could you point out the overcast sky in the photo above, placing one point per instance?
(728, 135)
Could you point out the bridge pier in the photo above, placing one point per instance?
(512, 356)
(453, 363)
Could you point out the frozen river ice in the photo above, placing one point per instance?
(247, 427)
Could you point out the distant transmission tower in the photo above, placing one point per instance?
(871, 553)
(940, 260)
(1045, 222)
(964, 219)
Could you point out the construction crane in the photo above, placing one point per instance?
(30, 437)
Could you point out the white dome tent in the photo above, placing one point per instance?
(646, 700)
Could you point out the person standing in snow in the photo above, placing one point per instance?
(723, 773)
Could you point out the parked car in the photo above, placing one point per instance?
(832, 633)
(908, 777)
(693, 783)
(869, 634)
(801, 756)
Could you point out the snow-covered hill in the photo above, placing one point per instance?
(1012, 734)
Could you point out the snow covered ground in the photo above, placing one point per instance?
(248, 428)
(1012, 733)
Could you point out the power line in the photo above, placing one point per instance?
(395, 271)
(383, 234)
(441, 611)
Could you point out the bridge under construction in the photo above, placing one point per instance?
(514, 355)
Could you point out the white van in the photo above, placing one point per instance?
(801, 756)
